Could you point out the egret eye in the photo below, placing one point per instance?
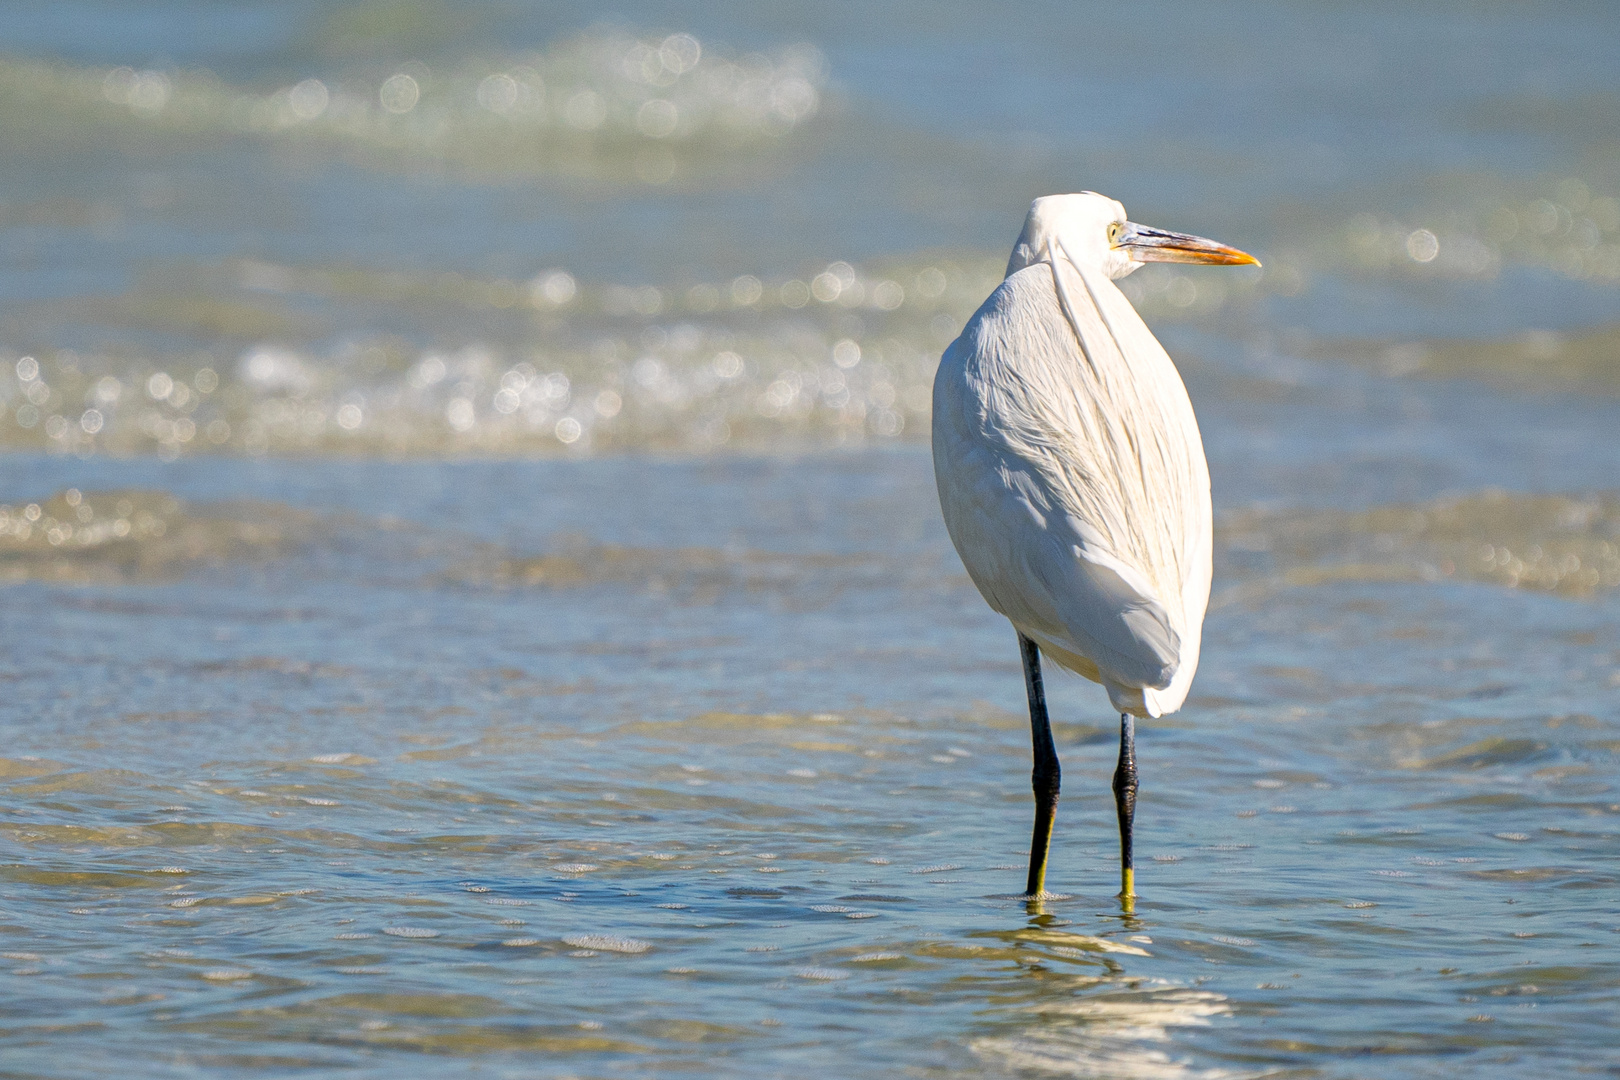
(1113, 231)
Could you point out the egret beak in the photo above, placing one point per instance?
(1144, 244)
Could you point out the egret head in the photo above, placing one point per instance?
(1091, 229)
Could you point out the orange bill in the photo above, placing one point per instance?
(1145, 244)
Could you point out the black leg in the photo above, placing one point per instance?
(1125, 802)
(1046, 777)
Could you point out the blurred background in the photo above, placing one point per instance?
(407, 228)
(414, 410)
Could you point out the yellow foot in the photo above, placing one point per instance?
(1127, 891)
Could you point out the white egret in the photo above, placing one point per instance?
(1073, 480)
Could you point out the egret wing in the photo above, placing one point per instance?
(1040, 487)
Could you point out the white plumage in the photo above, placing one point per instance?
(1070, 469)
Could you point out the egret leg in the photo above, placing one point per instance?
(1046, 777)
(1125, 802)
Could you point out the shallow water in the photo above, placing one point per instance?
(467, 782)
(476, 603)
